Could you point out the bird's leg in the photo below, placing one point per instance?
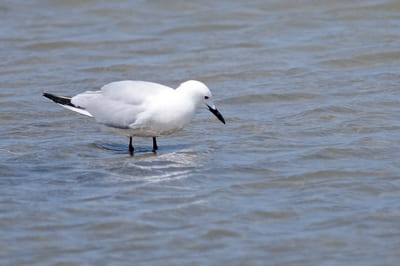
(155, 147)
(131, 149)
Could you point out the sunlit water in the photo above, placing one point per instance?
(304, 172)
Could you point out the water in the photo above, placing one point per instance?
(304, 172)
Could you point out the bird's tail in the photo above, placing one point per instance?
(66, 103)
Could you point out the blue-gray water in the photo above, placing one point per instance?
(306, 170)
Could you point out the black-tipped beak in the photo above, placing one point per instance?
(216, 113)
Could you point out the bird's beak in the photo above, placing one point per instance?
(216, 113)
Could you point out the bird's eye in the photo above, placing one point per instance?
(206, 97)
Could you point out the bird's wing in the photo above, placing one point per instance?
(119, 104)
(133, 92)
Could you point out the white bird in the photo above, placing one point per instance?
(141, 108)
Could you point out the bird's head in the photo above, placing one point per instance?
(202, 96)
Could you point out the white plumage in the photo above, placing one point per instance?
(140, 108)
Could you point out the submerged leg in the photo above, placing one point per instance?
(155, 147)
(131, 149)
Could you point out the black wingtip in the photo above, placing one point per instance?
(59, 99)
(48, 95)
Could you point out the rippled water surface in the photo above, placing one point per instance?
(306, 170)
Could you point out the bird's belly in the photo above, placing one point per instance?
(157, 124)
(147, 131)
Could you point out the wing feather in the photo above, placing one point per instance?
(119, 104)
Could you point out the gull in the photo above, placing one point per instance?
(142, 108)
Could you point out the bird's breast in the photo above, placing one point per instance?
(170, 118)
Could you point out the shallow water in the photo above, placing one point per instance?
(304, 172)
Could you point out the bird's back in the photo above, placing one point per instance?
(132, 92)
